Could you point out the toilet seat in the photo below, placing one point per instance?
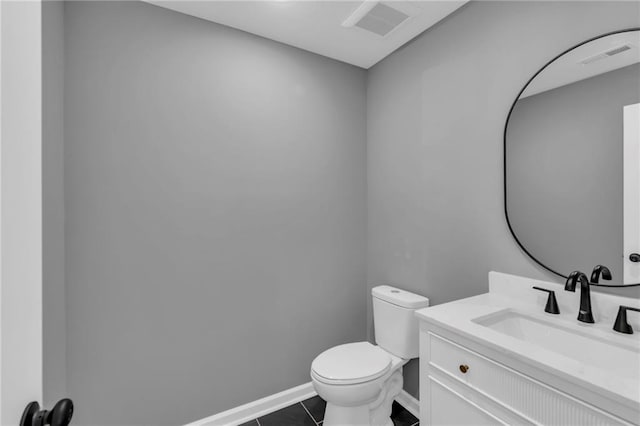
(351, 363)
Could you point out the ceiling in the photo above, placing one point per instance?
(317, 26)
(569, 68)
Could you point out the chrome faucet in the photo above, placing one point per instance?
(584, 314)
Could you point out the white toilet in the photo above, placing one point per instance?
(359, 380)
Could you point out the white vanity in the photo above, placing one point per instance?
(499, 358)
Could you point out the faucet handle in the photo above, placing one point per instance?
(552, 303)
(621, 325)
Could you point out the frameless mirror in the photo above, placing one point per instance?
(572, 160)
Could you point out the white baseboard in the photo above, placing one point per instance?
(269, 404)
(258, 408)
(409, 402)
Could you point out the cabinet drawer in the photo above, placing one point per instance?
(525, 396)
(449, 407)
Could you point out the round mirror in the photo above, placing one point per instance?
(572, 160)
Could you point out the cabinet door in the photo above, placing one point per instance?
(449, 407)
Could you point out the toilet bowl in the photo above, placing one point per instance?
(359, 381)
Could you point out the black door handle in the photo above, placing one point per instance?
(60, 415)
(634, 257)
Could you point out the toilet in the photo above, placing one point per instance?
(359, 381)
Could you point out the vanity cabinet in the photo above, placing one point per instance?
(464, 383)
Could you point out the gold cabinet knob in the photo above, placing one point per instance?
(464, 368)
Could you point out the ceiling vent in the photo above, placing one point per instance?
(376, 17)
(606, 54)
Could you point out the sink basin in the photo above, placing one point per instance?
(617, 358)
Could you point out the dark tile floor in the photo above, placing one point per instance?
(311, 412)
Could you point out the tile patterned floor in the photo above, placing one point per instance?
(311, 412)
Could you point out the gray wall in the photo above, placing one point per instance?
(435, 116)
(564, 182)
(53, 290)
(215, 205)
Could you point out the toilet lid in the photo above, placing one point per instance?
(351, 363)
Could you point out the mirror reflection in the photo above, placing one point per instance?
(572, 160)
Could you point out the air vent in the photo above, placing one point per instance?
(606, 54)
(377, 18)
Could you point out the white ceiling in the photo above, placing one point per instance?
(569, 69)
(316, 26)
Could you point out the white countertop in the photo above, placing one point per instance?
(515, 293)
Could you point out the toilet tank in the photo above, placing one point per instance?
(395, 325)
